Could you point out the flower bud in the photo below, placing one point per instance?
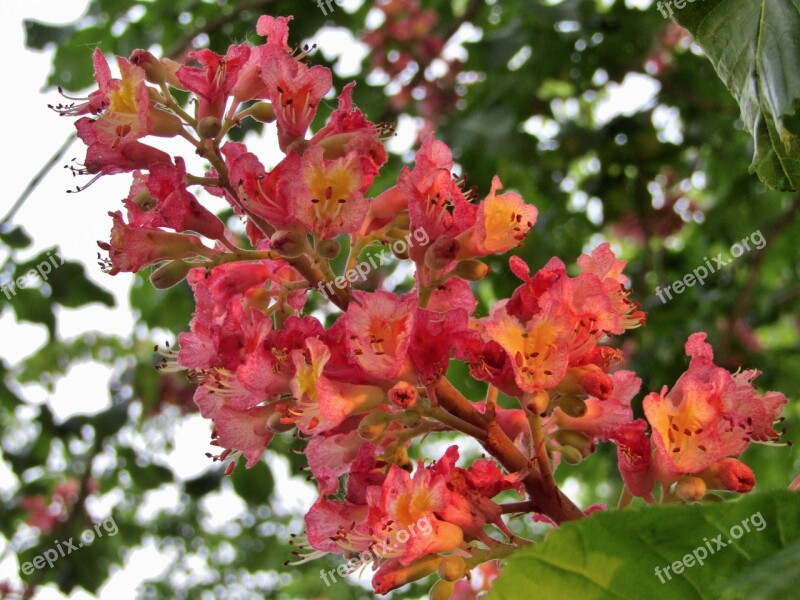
(571, 455)
(262, 111)
(581, 442)
(392, 574)
(537, 402)
(571, 405)
(373, 425)
(452, 568)
(471, 270)
(690, 489)
(164, 124)
(288, 244)
(403, 395)
(209, 127)
(170, 274)
(329, 248)
(154, 71)
(442, 252)
(171, 68)
(402, 221)
(442, 590)
(729, 474)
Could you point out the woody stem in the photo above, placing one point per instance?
(545, 498)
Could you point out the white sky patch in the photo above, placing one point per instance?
(190, 441)
(222, 508)
(84, 392)
(668, 124)
(544, 129)
(294, 494)
(165, 499)
(636, 93)
(145, 562)
(454, 49)
(338, 45)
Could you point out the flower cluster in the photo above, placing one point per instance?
(361, 391)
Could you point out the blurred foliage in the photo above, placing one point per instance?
(546, 98)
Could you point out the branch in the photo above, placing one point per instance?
(39, 177)
(545, 499)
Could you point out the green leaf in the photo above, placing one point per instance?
(754, 46)
(16, 238)
(615, 554)
(30, 305)
(39, 35)
(70, 286)
(253, 485)
(760, 583)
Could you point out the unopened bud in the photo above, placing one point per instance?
(277, 424)
(209, 127)
(170, 274)
(442, 590)
(581, 442)
(571, 455)
(442, 252)
(329, 248)
(537, 402)
(373, 425)
(171, 69)
(571, 405)
(154, 71)
(690, 489)
(164, 124)
(403, 395)
(729, 474)
(471, 270)
(262, 111)
(402, 221)
(288, 244)
(452, 568)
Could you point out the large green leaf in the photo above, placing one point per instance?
(754, 46)
(616, 554)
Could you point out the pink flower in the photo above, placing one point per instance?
(502, 223)
(379, 326)
(169, 204)
(295, 91)
(709, 413)
(326, 198)
(214, 80)
(244, 431)
(635, 458)
(133, 248)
